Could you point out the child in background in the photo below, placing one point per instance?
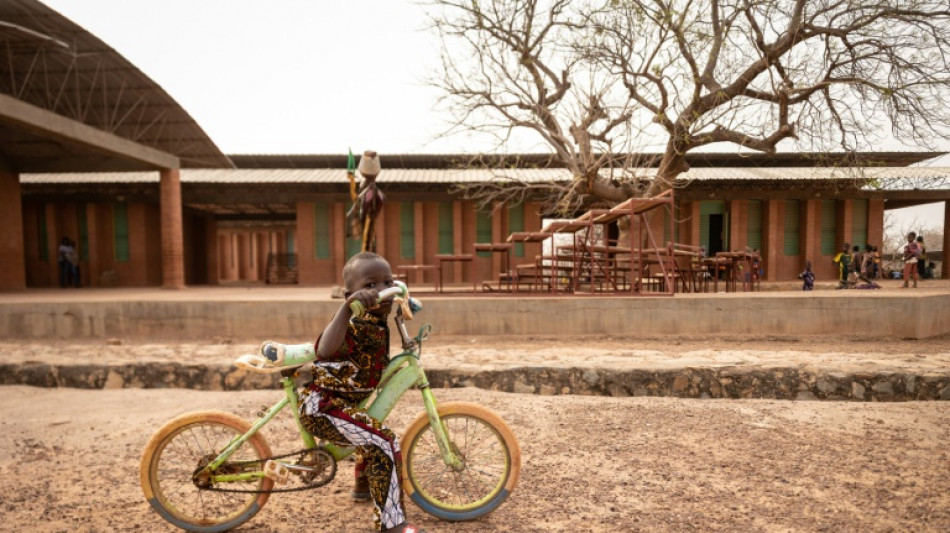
(807, 277)
(911, 256)
(843, 260)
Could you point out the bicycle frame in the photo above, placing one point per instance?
(402, 374)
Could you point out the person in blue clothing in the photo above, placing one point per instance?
(808, 277)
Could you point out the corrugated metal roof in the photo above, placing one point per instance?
(436, 176)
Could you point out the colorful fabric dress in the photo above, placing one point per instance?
(329, 409)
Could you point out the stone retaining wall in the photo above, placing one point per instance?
(886, 315)
(772, 383)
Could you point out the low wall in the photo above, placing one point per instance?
(781, 383)
(766, 314)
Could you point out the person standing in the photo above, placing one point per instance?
(72, 258)
(843, 260)
(921, 258)
(65, 267)
(911, 258)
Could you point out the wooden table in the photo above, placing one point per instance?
(406, 269)
(455, 258)
(503, 248)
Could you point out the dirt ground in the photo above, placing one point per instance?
(70, 457)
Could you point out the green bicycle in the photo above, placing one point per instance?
(212, 471)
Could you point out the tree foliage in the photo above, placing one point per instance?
(599, 80)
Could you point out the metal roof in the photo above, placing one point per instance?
(548, 160)
(448, 177)
(52, 64)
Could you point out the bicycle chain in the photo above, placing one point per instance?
(261, 463)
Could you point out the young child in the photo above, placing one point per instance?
(807, 277)
(843, 260)
(352, 353)
(911, 256)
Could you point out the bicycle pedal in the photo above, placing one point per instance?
(276, 471)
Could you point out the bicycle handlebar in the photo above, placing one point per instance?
(399, 289)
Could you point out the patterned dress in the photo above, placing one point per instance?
(329, 411)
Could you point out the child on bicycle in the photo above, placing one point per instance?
(352, 353)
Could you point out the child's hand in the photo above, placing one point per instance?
(366, 297)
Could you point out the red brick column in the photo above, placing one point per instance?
(946, 239)
(13, 265)
(173, 248)
(844, 223)
(738, 224)
(213, 252)
(875, 222)
(810, 234)
(772, 246)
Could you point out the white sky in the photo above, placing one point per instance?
(301, 76)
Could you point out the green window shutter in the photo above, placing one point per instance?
(859, 223)
(791, 227)
(83, 234)
(516, 223)
(446, 228)
(43, 236)
(407, 230)
(290, 242)
(120, 228)
(706, 208)
(753, 234)
(321, 231)
(483, 230)
(828, 227)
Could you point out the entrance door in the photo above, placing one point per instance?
(713, 223)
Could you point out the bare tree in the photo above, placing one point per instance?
(596, 79)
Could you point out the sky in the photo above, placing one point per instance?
(302, 76)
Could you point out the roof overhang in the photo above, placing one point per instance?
(72, 103)
(37, 140)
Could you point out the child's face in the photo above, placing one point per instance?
(372, 274)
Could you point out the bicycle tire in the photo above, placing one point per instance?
(479, 435)
(172, 455)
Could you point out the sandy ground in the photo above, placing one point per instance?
(70, 457)
(70, 461)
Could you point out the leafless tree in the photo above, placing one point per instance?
(600, 79)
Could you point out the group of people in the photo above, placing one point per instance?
(68, 264)
(855, 266)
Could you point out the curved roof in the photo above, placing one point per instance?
(58, 69)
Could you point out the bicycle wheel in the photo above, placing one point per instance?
(491, 463)
(184, 445)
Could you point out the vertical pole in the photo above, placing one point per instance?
(13, 266)
(173, 253)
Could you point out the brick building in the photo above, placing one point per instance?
(238, 222)
(93, 150)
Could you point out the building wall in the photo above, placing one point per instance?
(218, 253)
